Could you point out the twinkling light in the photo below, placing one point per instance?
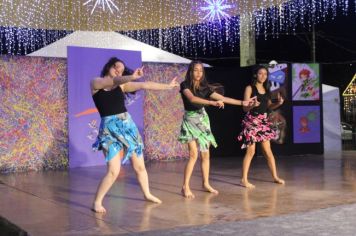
(216, 10)
(349, 97)
(102, 3)
(182, 26)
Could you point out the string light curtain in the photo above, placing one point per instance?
(182, 24)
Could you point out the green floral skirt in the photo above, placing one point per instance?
(196, 126)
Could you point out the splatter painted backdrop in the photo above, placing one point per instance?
(33, 113)
(163, 112)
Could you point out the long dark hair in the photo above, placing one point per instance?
(266, 84)
(111, 62)
(203, 83)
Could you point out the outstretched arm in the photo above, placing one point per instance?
(201, 101)
(232, 101)
(138, 73)
(247, 96)
(101, 83)
(134, 86)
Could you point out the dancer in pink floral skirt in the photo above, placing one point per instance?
(256, 127)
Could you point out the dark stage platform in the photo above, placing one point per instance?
(59, 202)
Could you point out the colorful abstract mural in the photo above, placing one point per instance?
(163, 113)
(33, 114)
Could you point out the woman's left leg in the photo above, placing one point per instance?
(205, 169)
(267, 152)
(138, 165)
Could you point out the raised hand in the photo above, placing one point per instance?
(173, 83)
(256, 103)
(250, 102)
(138, 73)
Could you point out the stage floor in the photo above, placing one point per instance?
(58, 202)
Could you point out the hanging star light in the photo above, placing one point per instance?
(216, 10)
(102, 3)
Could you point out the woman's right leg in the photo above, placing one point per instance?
(250, 152)
(113, 170)
(193, 156)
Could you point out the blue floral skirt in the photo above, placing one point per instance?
(119, 132)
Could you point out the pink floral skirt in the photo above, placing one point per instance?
(255, 128)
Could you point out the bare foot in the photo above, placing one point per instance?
(210, 189)
(187, 193)
(152, 198)
(247, 184)
(98, 208)
(279, 181)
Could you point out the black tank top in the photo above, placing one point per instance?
(110, 102)
(263, 99)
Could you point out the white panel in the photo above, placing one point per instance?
(331, 118)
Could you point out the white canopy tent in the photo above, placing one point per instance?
(110, 40)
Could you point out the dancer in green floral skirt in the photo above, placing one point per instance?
(195, 129)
